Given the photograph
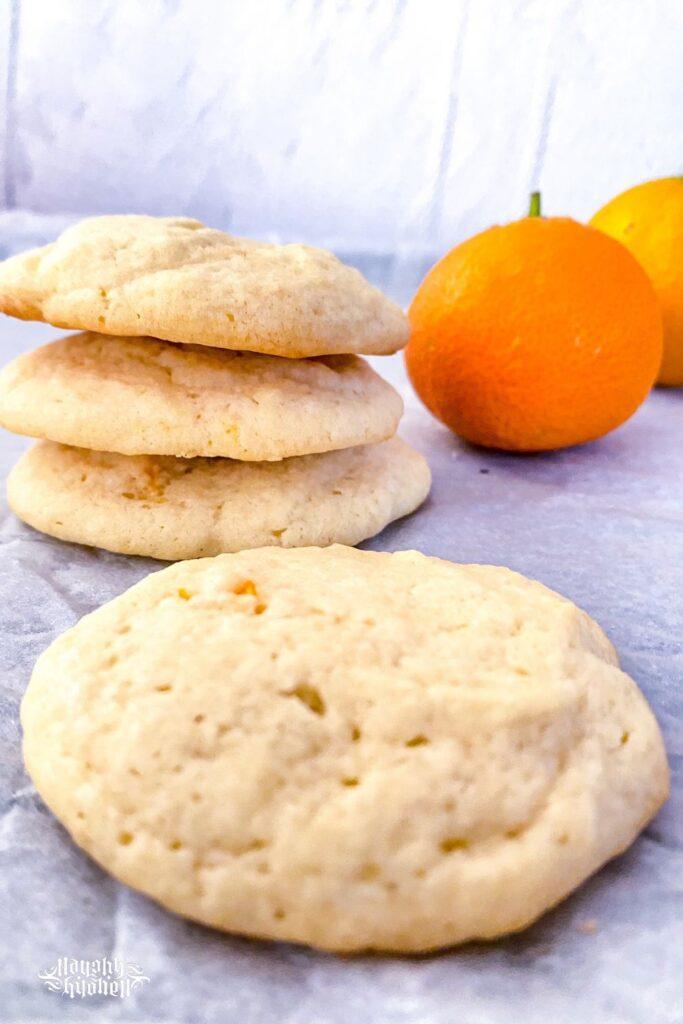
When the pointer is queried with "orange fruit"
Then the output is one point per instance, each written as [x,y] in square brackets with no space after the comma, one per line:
[648,219]
[540,334]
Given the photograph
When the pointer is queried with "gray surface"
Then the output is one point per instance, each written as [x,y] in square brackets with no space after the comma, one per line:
[602,524]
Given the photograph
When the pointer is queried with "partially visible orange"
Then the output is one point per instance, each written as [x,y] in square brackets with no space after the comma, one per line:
[540,334]
[648,219]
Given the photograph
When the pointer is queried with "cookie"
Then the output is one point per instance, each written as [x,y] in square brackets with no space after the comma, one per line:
[143,396]
[350,749]
[174,278]
[162,507]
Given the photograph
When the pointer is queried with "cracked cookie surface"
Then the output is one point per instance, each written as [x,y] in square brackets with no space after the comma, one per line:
[174,278]
[354,750]
[140,396]
[162,507]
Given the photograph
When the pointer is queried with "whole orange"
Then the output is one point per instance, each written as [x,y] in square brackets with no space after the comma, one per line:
[536,335]
[648,219]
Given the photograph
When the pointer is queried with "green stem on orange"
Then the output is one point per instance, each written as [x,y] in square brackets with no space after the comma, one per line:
[535,204]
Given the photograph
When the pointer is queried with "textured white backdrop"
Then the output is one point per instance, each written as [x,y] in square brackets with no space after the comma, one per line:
[367,124]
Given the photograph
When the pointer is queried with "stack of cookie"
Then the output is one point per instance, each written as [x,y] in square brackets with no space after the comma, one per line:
[217,400]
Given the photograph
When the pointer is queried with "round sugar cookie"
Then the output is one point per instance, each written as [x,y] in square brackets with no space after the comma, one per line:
[162,507]
[350,749]
[141,396]
[174,278]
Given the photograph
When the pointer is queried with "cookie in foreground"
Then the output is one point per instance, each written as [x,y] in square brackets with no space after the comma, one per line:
[352,750]
[162,507]
[175,278]
[142,396]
